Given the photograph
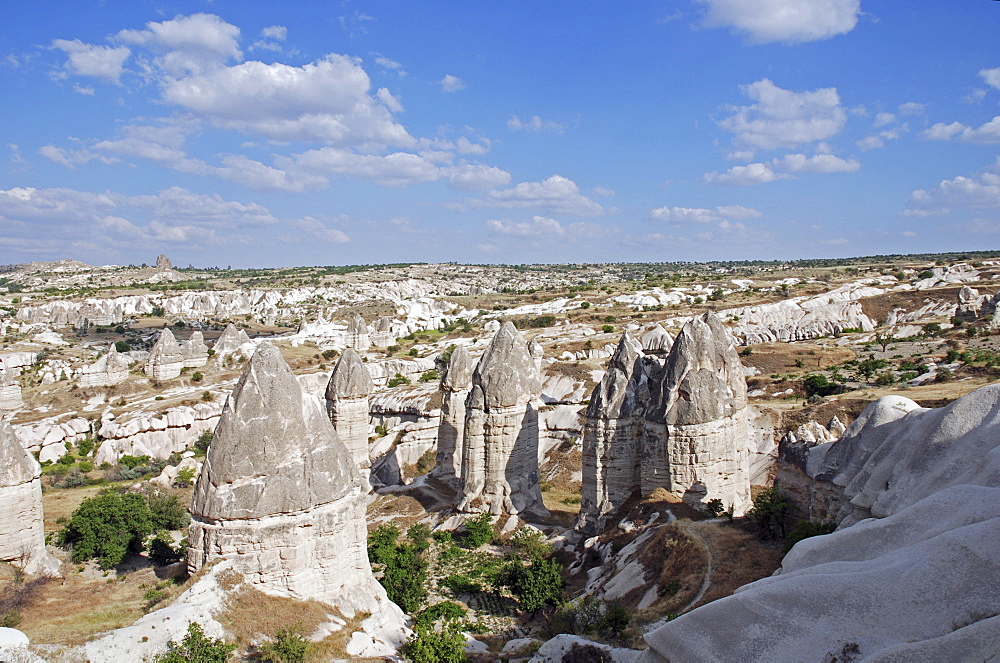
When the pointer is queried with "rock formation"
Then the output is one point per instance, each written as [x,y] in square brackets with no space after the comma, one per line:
[165,360]
[279,495]
[22,533]
[10,392]
[684,427]
[109,370]
[357,334]
[912,572]
[697,430]
[383,336]
[195,351]
[233,341]
[163,262]
[537,353]
[657,341]
[155,434]
[500,454]
[456,384]
[613,437]
[347,405]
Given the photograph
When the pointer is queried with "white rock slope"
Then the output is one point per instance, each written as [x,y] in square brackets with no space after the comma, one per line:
[22,534]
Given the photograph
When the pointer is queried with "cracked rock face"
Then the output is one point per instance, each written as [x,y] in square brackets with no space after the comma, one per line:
[22,532]
[195,351]
[109,370]
[347,405]
[500,458]
[357,334]
[280,495]
[612,437]
[697,438]
[232,340]
[456,384]
[165,360]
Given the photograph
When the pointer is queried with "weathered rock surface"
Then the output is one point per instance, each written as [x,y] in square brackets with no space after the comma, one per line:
[697,430]
[280,496]
[22,532]
[10,392]
[156,434]
[384,335]
[165,360]
[347,405]
[455,386]
[195,352]
[410,415]
[110,369]
[657,341]
[500,457]
[233,341]
[163,262]
[357,334]
[913,571]
[613,436]
[48,438]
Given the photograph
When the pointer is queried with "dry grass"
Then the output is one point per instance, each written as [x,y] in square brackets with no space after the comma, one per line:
[771,358]
[250,616]
[676,565]
[880,306]
[738,557]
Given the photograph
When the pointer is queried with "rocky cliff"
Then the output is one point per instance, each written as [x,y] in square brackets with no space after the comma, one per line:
[22,533]
[165,360]
[347,405]
[500,455]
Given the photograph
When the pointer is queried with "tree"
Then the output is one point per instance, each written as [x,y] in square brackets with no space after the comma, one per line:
[538,584]
[108,526]
[427,645]
[478,530]
[884,339]
[196,647]
[768,513]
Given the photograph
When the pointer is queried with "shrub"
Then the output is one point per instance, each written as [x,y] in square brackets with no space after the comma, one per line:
[615,620]
[944,375]
[585,305]
[816,384]
[768,513]
[288,646]
[607,329]
[206,396]
[85,446]
[163,552]
[201,444]
[537,584]
[122,346]
[197,376]
[429,646]
[885,379]
[196,647]
[107,527]
[805,529]
[166,511]
[185,477]
[430,375]
[478,531]
[397,380]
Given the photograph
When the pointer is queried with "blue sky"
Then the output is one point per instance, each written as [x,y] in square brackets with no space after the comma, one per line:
[302,133]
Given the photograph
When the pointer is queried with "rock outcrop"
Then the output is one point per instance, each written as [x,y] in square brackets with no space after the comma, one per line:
[912,572]
[22,532]
[455,385]
[163,262]
[613,437]
[165,360]
[684,426]
[657,341]
[110,369]
[357,334]
[155,434]
[347,405]
[233,341]
[195,352]
[383,336]
[10,392]
[500,455]
[279,495]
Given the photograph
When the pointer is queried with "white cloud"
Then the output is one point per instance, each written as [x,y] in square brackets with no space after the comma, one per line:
[326,100]
[821,163]
[991,76]
[73,158]
[313,228]
[794,21]
[188,44]
[725,214]
[912,108]
[390,102]
[534,124]
[882,119]
[539,225]
[870,143]
[839,241]
[782,118]
[556,195]
[976,96]
[180,204]
[451,83]
[104,62]
[753,173]
[981,192]
[276,32]
[466,146]
[601,191]
[908,233]
[386,63]
[476,177]
[987,134]
[85,90]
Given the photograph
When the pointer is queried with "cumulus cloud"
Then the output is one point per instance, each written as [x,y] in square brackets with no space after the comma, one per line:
[981,192]
[534,124]
[476,177]
[783,118]
[987,134]
[188,45]
[276,32]
[912,108]
[313,228]
[451,83]
[326,101]
[821,163]
[73,158]
[882,119]
[104,62]
[991,76]
[793,21]
[555,195]
[753,173]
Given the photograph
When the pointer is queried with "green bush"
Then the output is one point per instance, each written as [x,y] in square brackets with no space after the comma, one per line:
[107,527]
[185,477]
[288,646]
[405,570]
[196,647]
[163,552]
[816,384]
[429,376]
[805,529]
[398,379]
[122,346]
[769,510]
[429,646]
[478,531]
[167,512]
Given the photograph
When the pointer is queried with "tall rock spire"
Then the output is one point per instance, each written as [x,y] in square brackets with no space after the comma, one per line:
[455,385]
[347,405]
